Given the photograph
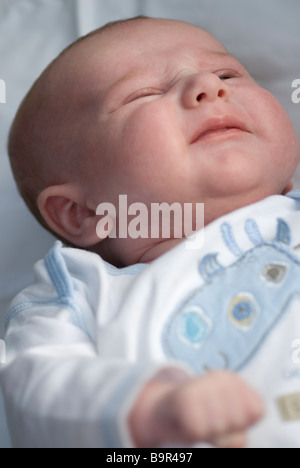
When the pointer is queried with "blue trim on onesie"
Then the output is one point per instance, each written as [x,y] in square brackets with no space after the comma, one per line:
[19,308]
[58,272]
[62,282]
[129,270]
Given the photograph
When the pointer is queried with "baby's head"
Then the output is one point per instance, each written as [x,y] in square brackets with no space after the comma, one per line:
[157,110]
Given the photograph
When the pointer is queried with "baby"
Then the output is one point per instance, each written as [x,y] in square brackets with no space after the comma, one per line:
[113,349]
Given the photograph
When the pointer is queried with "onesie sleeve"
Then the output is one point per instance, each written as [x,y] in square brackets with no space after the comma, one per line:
[58,390]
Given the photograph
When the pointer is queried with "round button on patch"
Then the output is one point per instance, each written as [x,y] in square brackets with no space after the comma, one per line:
[243,310]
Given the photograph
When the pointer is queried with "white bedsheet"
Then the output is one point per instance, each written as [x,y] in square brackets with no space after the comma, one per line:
[263,34]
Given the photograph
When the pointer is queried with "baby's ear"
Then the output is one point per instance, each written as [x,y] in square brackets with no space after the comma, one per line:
[66,212]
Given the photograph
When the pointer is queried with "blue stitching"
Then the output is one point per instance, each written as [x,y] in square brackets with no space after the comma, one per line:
[62,282]
[130,270]
[283,234]
[60,277]
[209,266]
[76,316]
[58,272]
[19,308]
[228,238]
[253,232]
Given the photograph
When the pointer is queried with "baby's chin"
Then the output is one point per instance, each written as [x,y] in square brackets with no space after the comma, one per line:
[245,179]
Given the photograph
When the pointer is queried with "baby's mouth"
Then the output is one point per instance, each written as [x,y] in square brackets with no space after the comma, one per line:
[220,128]
[218,132]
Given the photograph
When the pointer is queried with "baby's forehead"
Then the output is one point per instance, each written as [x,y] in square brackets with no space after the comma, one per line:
[154,35]
[106,56]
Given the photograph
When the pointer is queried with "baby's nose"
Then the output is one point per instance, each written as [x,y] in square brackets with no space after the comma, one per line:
[202,87]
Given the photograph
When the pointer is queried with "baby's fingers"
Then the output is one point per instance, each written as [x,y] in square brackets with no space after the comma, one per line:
[245,407]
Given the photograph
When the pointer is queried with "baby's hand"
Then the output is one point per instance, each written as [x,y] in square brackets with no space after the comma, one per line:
[217,408]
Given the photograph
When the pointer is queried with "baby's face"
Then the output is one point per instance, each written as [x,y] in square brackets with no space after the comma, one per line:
[175,118]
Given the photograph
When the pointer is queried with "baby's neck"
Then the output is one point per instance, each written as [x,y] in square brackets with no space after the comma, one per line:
[159,249]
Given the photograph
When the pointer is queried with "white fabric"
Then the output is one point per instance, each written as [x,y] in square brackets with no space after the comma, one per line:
[86,336]
[88,387]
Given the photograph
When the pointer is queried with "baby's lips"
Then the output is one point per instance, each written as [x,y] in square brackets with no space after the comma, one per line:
[217,124]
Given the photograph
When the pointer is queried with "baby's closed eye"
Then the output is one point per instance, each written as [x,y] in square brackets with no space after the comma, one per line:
[142,93]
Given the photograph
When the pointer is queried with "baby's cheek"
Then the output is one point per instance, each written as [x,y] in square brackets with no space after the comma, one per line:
[151,136]
[278,127]
[273,114]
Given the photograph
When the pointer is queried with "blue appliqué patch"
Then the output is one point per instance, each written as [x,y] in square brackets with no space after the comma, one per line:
[225,320]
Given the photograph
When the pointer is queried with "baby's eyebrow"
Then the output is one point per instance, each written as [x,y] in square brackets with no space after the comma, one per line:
[225,54]
[219,53]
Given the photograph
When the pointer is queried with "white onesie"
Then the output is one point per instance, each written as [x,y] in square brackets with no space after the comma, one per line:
[84,339]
